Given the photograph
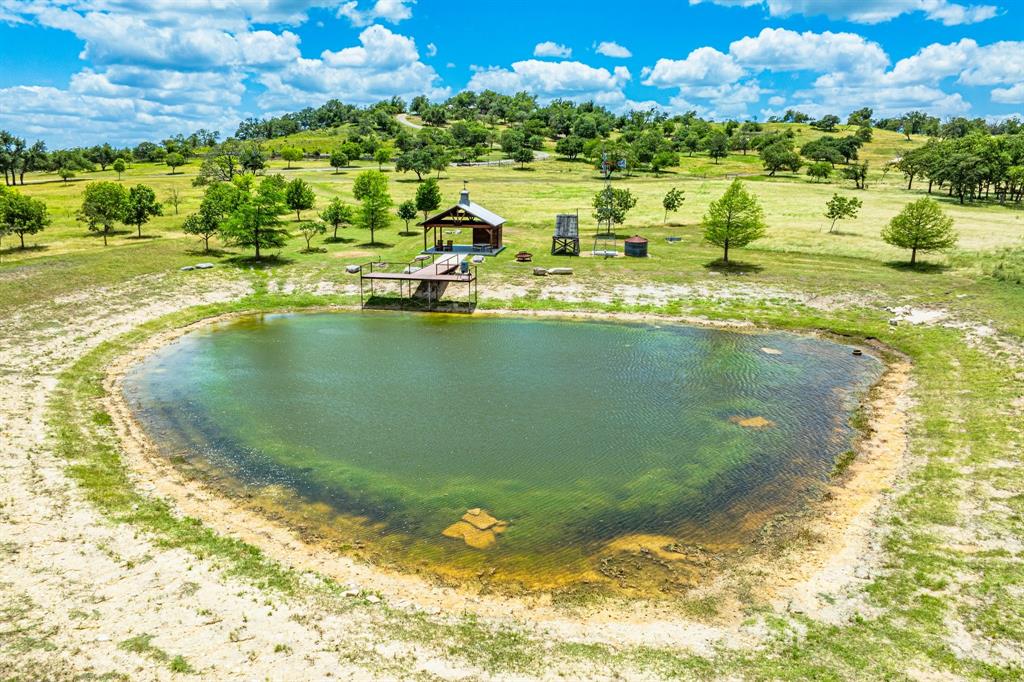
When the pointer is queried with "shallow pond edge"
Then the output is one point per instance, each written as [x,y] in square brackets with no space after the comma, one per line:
[867,479]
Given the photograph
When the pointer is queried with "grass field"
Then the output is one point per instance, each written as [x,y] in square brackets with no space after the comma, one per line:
[794,204]
[946,597]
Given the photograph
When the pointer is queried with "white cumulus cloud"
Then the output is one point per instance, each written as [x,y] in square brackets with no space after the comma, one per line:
[1011,95]
[610,48]
[550,48]
[550,80]
[384,64]
[160,67]
[705,65]
[392,11]
[780,49]
[869,11]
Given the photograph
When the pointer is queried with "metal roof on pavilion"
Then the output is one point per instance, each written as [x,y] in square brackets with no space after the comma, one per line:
[466,207]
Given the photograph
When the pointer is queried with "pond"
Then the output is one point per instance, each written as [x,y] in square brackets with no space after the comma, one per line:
[526,449]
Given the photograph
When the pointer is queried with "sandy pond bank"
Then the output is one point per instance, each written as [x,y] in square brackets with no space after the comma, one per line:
[815,570]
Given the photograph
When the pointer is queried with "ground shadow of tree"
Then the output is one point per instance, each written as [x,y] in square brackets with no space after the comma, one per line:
[265,262]
[34,248]
[70,181]
[112,233]
[920,267]
[733,267]
[408,233]
[339,240]
[376,245]
[212,253]
[144,237]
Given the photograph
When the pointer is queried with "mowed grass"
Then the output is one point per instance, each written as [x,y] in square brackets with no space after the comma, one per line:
[529,199]
[798,252]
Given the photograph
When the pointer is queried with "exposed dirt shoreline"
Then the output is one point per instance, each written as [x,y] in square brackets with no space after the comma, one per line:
[838,545]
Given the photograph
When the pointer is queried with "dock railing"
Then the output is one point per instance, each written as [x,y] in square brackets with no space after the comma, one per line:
[447,266]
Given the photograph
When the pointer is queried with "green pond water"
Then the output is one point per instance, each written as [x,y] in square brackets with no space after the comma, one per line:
[392,425]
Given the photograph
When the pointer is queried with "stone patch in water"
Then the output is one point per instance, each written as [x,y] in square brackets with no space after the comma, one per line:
[758,422]
[476,528]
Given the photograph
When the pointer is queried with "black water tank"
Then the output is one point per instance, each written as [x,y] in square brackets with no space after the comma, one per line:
[636,246]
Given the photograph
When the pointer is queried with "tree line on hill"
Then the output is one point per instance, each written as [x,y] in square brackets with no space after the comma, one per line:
[974,167]
[969,159]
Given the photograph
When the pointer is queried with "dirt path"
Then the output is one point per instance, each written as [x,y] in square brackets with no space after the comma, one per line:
[404,120]
[537,156]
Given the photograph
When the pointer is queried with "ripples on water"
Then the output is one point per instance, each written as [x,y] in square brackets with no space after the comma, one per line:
[577,433]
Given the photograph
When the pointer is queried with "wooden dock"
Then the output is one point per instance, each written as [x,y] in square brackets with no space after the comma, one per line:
[444,268]
[424,279]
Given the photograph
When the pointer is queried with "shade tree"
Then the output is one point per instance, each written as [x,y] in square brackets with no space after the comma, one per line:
[256,220]
[103,205]
[310,229]
[611,205]
[174,160]
[569,147]
[420,161]
[860,117]
[141,206]
[820,170]
[339,160]
[252,158]
[299,196]
[716,145]
[666,158]
[371,190]
[221,164]
[407,212]
[672,201]
[734,220]
[337,214]
[428,197]
[840,208]
[780,155]
[921,226]
[219,201]
[522,156]
[291,154]
[22,215]
[826,123]
[858,173]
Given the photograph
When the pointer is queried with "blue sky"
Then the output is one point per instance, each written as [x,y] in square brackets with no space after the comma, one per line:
[82,71]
